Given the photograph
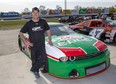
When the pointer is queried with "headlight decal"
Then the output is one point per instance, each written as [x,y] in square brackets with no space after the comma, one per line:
[73,51]
[53,52]
[72,58]
[100,45]
[63,59]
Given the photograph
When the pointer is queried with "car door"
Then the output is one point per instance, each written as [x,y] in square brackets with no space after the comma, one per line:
[97,29]
[111,31]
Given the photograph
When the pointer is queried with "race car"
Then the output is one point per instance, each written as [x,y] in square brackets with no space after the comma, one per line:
[73,55]
[103,30]
[66,19]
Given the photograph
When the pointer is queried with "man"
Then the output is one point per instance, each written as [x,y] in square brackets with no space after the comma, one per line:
[36,28]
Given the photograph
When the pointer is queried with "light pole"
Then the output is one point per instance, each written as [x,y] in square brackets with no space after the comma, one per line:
[65,6]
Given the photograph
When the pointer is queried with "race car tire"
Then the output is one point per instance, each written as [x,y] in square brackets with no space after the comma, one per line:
[19,43]
[102,37]
[114,40]
[77,30]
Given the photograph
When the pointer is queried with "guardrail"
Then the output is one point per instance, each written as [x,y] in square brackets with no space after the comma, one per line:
[10,18]
[50,16]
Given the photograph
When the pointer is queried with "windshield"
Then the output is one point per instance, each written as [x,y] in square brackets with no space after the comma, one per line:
[60,30]
[111,23]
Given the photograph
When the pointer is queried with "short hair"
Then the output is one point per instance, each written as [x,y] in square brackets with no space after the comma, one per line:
[35,8]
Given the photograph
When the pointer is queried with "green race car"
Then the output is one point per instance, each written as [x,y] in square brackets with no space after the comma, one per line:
[73,55]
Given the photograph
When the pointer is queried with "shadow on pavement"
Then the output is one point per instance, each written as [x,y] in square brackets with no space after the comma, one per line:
[40,81]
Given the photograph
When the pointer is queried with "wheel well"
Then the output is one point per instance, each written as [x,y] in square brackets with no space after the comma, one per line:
[114,39]
[102,36]
[75,29]
[19,43]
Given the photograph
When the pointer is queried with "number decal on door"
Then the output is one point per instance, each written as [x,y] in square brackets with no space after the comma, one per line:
[96,33]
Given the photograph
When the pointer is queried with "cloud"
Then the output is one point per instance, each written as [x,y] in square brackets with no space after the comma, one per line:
[19,5]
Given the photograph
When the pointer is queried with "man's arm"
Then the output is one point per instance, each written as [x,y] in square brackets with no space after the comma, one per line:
[49,37]
[22,37]
[28,44]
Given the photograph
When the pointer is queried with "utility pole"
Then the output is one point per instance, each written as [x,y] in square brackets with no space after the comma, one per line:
[65,7]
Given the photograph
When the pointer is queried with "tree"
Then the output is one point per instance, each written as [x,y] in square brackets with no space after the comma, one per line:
[77,7]
[42,7]
[115,6]
[26,10]
[58,7]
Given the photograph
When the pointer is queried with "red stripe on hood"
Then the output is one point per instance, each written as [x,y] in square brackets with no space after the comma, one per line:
[73,51]
[100,45]
[52,57]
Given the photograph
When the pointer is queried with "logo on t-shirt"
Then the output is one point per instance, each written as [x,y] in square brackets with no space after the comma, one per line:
[37,29]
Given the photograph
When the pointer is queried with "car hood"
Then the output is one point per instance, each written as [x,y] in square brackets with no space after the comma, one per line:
[78,44]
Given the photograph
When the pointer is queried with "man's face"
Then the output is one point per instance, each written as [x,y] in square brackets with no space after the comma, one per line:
[35,14]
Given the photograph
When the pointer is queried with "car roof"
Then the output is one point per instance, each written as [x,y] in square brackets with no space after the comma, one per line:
[55,23]
[95,20]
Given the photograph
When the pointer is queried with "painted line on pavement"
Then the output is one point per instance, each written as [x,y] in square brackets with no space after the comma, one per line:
[48,81]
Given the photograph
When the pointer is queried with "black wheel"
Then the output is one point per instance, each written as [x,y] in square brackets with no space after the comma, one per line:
[77,30]
[114,40]
[19,43]
[102,37]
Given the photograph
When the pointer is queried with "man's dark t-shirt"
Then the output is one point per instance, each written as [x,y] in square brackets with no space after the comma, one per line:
[36,31]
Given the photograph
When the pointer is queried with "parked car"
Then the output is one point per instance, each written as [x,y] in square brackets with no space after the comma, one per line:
[66,19]
[73,55]
[103,30]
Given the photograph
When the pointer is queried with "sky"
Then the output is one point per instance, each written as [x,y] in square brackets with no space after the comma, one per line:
[20,5]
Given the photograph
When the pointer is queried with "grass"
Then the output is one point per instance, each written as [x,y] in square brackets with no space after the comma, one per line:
[52,20]
[7,25]
[4,25]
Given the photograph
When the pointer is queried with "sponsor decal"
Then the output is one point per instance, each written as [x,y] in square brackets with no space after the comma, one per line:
[71,39]
[82,11]
[105,10]
[43,12]
[90,11]
[75,12]
[55,12]
[36,29]
[9,14]
[97,10]
[112,10]
[67,12]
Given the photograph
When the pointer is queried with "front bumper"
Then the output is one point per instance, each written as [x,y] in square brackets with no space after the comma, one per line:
[79,68]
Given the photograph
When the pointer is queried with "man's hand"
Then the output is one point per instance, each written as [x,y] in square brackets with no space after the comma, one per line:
[28,44]
[50,43]
[49,37]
